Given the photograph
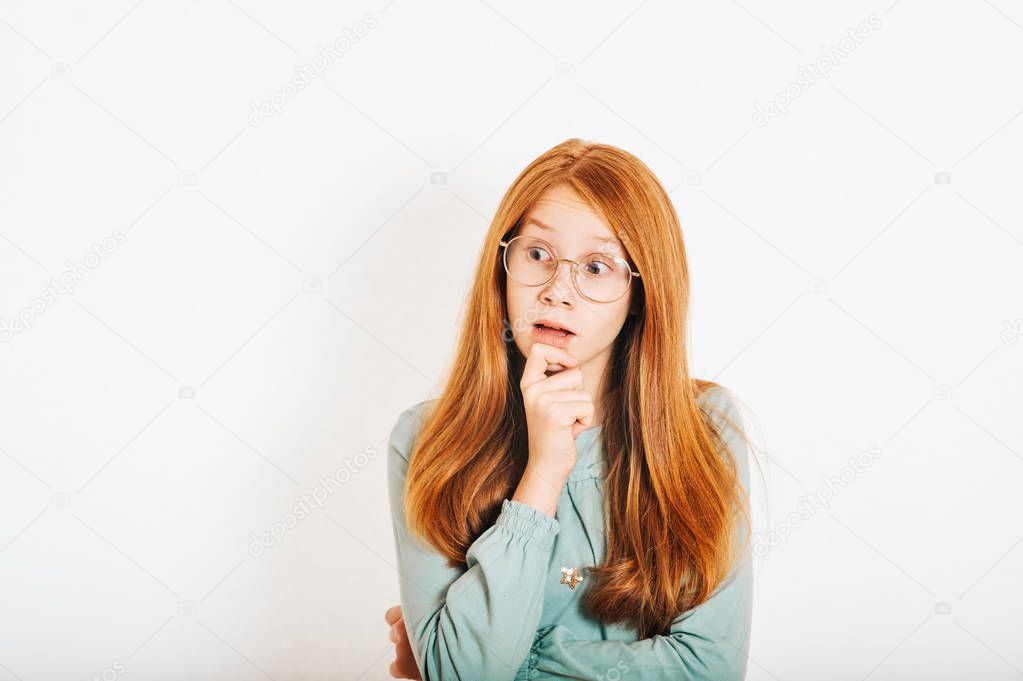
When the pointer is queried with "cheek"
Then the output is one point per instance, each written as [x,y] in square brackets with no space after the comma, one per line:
[513,301]
[519,313]
[521,300]
[608,325]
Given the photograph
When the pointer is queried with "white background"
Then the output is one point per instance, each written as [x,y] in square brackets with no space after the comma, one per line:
[305,277]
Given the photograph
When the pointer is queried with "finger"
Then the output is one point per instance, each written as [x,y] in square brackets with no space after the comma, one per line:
[405,659]
[569,413]
[398,634]
[393,614]
[559,397]
[540,356]
[569,379]
[404,664]
[544,359]
[403,669]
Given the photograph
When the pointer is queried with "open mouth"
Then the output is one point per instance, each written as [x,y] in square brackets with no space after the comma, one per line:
[552,335]
[554,330]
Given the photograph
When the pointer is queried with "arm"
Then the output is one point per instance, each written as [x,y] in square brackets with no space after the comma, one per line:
[709,642]
[477,622]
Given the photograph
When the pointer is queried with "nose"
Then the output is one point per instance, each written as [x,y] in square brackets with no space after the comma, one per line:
[559,289]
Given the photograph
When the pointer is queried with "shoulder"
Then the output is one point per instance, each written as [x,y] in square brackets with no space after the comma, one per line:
[716,398]
[721,405]
[406,427]
[723,408]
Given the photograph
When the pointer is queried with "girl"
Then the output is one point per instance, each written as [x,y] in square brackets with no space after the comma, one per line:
[573,505]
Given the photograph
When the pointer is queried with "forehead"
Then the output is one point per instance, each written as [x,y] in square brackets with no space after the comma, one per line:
[561,213]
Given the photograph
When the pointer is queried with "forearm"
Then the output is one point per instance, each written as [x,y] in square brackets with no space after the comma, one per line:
[676,657]
[707,643]
[540,489]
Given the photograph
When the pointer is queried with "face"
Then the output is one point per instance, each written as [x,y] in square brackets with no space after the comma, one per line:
[563,219]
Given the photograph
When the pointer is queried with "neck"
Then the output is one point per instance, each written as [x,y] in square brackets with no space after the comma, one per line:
[594,373]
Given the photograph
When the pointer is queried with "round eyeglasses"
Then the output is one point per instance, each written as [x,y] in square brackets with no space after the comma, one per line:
[600,277]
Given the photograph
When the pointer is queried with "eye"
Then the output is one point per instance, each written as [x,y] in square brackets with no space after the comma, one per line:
[537,254]
[598,266]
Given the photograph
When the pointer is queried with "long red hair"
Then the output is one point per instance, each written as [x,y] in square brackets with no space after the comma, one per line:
[672,490]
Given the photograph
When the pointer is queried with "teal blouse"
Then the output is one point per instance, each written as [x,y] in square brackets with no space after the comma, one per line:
[508,616]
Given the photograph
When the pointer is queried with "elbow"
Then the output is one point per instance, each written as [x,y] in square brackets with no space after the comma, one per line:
[721,661]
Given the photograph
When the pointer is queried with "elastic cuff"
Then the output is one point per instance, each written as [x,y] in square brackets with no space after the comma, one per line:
[525,520]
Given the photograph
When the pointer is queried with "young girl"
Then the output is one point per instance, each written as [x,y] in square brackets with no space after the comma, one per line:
[574,505]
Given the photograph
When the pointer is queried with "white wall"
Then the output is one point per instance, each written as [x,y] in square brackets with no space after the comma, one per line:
[279,267]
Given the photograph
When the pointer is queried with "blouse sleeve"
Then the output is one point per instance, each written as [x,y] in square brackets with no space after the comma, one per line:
[708,642]
[476,622]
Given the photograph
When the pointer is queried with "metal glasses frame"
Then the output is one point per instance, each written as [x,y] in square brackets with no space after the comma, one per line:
[558,261]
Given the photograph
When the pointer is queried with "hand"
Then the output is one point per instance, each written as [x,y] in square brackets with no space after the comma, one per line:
[557,409]
[404,665]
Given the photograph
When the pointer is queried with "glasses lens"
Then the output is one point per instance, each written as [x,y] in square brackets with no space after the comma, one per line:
[603,277]
[529,261]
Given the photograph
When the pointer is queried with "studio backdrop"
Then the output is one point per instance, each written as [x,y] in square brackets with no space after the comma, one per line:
[236,240]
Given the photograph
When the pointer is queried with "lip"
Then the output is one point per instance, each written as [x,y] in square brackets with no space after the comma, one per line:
[553,325]
[549,337]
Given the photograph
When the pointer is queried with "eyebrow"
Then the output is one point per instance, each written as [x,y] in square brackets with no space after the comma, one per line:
[541,225]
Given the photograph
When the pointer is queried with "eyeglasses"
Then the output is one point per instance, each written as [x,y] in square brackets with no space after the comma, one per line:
[600,277]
